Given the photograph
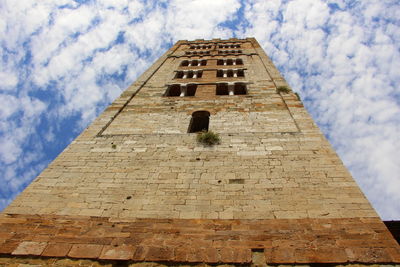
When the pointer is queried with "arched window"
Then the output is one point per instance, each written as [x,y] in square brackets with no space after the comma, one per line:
[199,121]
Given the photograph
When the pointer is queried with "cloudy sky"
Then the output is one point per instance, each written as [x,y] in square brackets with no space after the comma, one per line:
[64,61]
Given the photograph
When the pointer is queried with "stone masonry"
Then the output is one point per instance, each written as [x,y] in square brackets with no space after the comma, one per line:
[135,181]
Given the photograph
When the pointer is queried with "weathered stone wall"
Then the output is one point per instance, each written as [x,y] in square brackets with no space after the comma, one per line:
[285,166]
[137,160]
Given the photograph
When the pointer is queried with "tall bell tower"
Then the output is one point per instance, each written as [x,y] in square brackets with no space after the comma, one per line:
[137,185]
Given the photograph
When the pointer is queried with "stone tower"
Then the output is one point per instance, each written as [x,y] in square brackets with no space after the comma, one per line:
[137,186]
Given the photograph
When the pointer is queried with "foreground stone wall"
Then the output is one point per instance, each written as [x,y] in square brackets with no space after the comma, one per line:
[136,183]
[273,162]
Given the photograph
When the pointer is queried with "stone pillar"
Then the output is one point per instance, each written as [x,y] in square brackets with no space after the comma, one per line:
[225,73]
[183,90]
[231,88]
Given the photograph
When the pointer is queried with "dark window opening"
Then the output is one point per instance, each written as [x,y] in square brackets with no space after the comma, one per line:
[191,89]
[199,74]
[204,62]
[229,73]
[222,89]
[195,62]
[179,75]
[240,89]
[220,73]
[239,61]
[199,122]
[220,62]
[190,75]
[240,73]
[229,62]
[185,63]
[173,90]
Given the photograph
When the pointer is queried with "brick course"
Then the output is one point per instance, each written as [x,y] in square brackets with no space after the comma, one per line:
[362,240]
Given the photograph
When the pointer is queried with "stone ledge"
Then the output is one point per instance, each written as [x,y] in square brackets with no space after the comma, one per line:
[282,241]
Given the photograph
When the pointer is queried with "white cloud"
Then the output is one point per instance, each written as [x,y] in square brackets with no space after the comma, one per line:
[58,62]
[351,80]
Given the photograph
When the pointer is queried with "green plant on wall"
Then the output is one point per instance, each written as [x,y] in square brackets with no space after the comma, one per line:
[208,138]
[298,96]
[283,89]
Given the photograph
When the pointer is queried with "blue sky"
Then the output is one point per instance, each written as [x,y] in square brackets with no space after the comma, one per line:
[63,62]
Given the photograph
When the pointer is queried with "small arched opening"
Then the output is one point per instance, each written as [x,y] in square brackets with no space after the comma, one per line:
[199,121]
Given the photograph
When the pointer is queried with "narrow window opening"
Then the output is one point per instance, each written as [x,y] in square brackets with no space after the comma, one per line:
[222,89]
[199,74]
[191,89]
[239,61]
[190,75]
[229,62]
[185,63]
[204,62]
[240,73]
[220,62]
[230,73]
[195,62]
[220,73]
[199,121]
[179,75]
[240,89]
[173,90]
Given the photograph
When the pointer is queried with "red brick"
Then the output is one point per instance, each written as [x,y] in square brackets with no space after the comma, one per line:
[140,253]
[394,254]
[231,255]
[9,246]
[56,250]
[159,254]
[371,255]
[30,248]
[86,251]
[124,252]
[283,255]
